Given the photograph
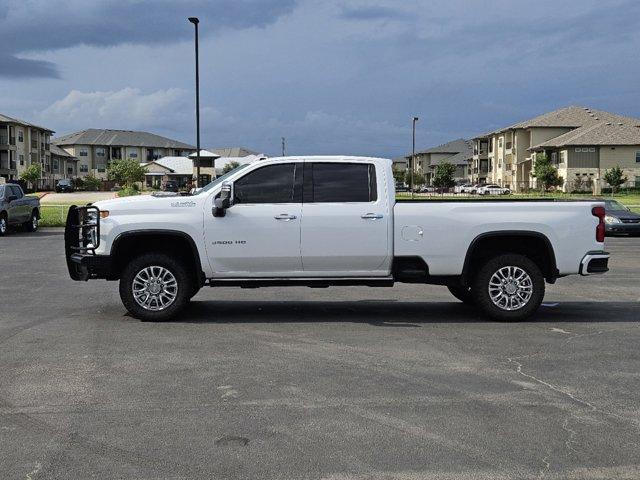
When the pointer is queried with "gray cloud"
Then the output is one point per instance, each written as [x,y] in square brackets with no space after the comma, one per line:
[14,67]
[372,12]
[39,26]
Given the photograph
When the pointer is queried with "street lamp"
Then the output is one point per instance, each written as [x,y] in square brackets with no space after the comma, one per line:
[413,155]
[195,22]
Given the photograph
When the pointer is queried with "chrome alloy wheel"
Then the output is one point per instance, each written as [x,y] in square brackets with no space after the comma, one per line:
[510,288]
[34,222]
[3,225]
[155,288]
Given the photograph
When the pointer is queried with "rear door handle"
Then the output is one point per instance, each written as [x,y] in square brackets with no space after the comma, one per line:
[372,216]
[285,216]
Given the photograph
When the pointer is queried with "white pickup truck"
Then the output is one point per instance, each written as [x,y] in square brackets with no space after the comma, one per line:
[329,221]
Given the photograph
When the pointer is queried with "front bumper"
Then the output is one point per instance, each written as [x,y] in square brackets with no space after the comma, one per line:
[612,229]
[83,267]
[594,262]
[81,238]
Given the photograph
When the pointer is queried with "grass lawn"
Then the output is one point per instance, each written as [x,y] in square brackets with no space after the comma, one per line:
[53,215]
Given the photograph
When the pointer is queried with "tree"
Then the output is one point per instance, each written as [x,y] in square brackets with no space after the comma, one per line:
[398,175]
[92,183]
[126,172]
[443,177]
[546,173]
[32,174]
[230,166]
[615,177]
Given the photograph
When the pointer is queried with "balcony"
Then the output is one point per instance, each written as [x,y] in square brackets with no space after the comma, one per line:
[34,144]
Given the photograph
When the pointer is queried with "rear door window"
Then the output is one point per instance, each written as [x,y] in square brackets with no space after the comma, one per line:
[341,182]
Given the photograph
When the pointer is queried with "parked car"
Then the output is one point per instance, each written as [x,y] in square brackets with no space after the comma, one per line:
[322,221]
[65,185]
[620,220]
[426,189]
[170,186]
[18,209]
[466,188]
[401,187]
[493,189]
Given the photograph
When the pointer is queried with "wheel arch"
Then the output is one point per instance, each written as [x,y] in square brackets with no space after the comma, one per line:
[174,242]
[534,245]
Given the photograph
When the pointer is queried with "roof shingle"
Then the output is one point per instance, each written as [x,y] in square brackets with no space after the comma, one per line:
[120,138]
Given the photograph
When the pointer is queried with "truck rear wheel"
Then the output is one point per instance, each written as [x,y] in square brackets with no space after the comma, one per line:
[3,224]
[155,287]
[32,224]
[463,294]
[509,287]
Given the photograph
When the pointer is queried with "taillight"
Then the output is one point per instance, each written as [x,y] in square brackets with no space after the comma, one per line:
[599,212]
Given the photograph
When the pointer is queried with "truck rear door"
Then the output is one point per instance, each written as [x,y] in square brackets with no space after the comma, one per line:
[345,219]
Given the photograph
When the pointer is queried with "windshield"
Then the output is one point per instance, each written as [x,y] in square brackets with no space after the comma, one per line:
[613,205]
[221,179]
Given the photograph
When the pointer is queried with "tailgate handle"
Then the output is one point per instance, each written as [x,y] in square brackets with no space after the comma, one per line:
[372,216]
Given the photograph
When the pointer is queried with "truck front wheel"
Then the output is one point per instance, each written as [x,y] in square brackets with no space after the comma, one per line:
[509,287]
[155,287]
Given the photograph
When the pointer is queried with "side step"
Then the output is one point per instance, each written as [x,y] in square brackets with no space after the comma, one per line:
[318,282]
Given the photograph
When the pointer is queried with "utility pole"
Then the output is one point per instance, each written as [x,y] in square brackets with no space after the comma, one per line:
[284,149]
[413,154]
[195,22]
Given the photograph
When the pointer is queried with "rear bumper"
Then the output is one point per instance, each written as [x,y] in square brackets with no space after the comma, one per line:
[594,263]
[622,229]
[83,267]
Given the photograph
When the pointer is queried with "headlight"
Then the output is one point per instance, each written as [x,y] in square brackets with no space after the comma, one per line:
[610,219]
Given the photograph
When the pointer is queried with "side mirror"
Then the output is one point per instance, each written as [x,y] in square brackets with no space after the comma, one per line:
[223,201]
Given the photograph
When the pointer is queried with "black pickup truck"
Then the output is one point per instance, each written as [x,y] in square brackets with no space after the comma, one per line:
[17,209]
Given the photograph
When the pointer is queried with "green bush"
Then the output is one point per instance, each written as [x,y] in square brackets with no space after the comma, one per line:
[128,192]
[92,183]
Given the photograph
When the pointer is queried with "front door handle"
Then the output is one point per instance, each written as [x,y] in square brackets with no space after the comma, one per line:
[285,216]
[372,216]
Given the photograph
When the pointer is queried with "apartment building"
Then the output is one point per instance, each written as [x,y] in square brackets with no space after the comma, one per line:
[63,164]
[96,148]
[457,152]
[511,151]
[22,144]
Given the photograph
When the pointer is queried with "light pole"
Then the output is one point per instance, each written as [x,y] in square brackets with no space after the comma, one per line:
[284,143]
[413,155]
[195,22]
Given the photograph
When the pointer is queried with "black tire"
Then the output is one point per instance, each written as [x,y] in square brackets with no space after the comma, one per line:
[172,265]
[481,284]
[32,224]
[463,294]
[194,291]
[4,224]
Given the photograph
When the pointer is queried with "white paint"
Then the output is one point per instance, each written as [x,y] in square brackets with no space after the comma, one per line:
[560,330]
[36,469]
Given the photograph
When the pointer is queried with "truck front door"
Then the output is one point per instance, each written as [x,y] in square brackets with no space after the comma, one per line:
[346,220]
[259,236]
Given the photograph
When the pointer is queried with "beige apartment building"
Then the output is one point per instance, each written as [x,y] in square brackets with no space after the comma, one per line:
[582,142]
[22,144]
[457,152]
[96,148]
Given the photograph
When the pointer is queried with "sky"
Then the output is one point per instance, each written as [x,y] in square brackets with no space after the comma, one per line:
[333,77]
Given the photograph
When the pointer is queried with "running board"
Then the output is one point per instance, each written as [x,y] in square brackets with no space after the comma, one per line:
[316,282]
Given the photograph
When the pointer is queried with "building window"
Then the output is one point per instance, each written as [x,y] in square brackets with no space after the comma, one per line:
[638,157]
[21,158]
[133,155]
[20,136]
[500,142]
[70,170]
[101,169]
[84,152]
[56,165]
[84,168]
[100,152]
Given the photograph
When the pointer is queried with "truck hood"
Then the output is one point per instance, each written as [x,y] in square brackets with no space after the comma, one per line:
[145,202]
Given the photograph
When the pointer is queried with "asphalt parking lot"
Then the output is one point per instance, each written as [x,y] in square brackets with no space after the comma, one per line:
[341,383]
